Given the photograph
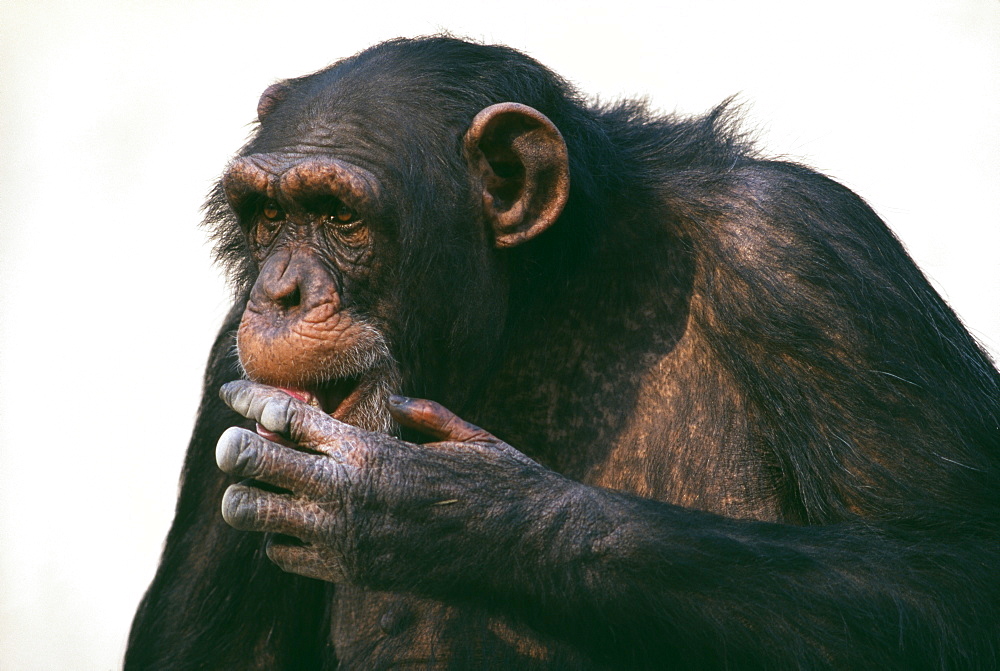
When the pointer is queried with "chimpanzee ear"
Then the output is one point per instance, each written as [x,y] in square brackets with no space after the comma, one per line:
[520,161]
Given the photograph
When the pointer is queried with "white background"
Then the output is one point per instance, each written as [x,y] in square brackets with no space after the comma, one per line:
[115,117]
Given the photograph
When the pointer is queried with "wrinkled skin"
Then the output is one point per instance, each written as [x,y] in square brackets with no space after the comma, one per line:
[362,503]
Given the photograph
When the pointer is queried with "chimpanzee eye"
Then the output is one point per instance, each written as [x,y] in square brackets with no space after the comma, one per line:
[342,214]
[345,225]
[272,211]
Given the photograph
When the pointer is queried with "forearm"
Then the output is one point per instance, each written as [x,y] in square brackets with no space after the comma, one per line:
[651,583]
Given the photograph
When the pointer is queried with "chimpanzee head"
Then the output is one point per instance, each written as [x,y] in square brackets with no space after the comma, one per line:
[368,220]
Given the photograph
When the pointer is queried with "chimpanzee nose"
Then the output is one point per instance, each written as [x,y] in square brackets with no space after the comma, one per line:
[285,292]
[290,281]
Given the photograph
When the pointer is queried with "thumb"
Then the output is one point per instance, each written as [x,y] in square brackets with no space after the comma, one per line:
[436,421]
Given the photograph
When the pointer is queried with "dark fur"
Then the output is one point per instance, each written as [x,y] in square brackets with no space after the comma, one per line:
[834,450]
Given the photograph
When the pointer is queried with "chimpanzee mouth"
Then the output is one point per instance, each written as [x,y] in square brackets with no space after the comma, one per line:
[334,397]
[356,388]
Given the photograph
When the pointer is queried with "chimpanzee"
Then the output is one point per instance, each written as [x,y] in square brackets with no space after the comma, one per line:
[727,422]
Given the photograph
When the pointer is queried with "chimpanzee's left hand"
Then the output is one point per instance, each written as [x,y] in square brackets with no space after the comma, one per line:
[369,508]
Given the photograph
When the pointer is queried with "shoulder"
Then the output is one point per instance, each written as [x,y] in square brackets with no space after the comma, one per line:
[777,212]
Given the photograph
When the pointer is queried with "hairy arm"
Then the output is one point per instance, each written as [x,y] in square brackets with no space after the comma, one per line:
[649,582]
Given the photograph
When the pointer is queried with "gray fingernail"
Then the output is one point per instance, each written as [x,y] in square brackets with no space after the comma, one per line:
[228,448]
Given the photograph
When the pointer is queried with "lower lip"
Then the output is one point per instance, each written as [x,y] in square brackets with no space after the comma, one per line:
[272,436]
[348,402]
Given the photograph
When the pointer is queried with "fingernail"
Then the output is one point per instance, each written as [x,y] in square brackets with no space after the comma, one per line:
[229,387]
[396,399]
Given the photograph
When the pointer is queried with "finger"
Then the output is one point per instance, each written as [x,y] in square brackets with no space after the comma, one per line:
[285,415]
[245,454]
[435,420]
[305,560]
[251,509]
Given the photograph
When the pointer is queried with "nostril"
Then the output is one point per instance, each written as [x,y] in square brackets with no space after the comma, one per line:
[288,299]
[283,294]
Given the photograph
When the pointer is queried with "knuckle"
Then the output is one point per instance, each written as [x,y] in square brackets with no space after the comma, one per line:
[247,462]
[324,433]
[308,423]
[423,407]
[277,413]
[363,457]
[453,425]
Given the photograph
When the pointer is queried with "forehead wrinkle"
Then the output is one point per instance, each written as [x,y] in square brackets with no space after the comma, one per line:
[359,142]
[349,113]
